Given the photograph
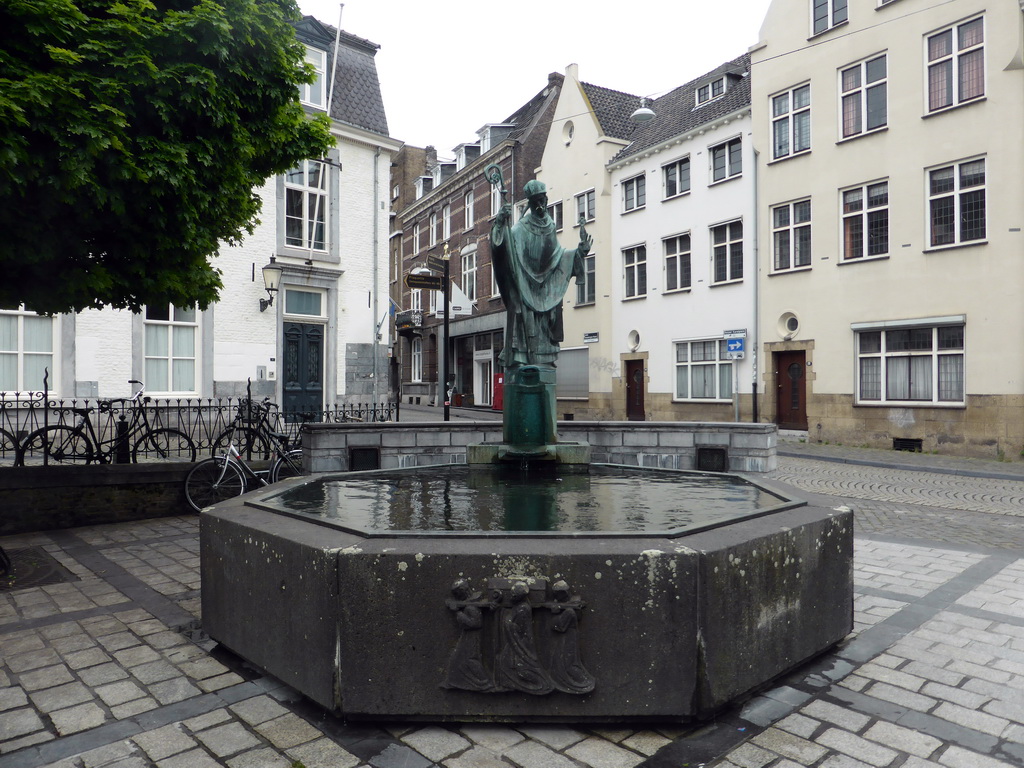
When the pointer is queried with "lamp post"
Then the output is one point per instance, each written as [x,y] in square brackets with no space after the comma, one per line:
[271,281]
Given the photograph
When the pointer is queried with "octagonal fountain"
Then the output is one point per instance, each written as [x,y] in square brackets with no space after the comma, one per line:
[595,593]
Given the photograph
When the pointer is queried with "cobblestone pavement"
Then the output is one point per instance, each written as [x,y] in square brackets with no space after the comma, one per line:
[110,667]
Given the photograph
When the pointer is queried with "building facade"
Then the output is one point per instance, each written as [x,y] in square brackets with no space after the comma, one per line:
[325,225]
[450,218]
[890,206]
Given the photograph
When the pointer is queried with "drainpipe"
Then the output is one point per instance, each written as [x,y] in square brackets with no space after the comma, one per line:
[375,346]
[757,282]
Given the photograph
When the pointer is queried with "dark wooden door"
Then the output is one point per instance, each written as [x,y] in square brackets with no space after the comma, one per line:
[635,390]
[303,371]
[791,390]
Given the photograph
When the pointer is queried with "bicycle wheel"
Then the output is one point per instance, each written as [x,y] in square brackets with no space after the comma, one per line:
[250,443]
[288,465]
[169,445]
[59,444]
[213,480]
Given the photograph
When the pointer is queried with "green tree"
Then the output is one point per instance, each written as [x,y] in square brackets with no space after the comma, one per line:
[133,135]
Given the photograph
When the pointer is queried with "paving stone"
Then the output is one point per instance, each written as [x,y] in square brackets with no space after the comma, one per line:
[64,629]
[612,734]
[47,677]
[855,746]
[749,755]
[170,691]
[18,643]
[119,692]
[66,645]
[530,754]
[788,745]
[477,757]
[259,758]
[132,657]
[103,674]
[219,682]
[19,722]
[917,762]
[258,709]
[208,720]
[600,753]
[554,736]
[957,757]
[325,753]
[115,754]
[23,662]
[154,672]
[164,742]
[492,737]
[133,708]
[841,716]
[435,743]
[903,739]
[80,718]
[12,698]
[977,721]
[646,742]
[202,668]
[60,696]
[196,758]
[287,731]
[87,658]
[799,724]
[39,737]
[900,696]
[228,739]
[119,641]
[842,761]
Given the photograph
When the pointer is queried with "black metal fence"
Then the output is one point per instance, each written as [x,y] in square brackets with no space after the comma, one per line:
[204,420]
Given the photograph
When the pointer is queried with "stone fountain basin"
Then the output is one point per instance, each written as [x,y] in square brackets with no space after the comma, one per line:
[674,628]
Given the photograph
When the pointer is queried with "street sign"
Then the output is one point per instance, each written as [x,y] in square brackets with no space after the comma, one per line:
[436,263]
[736,333]
[430,282]
[734,348]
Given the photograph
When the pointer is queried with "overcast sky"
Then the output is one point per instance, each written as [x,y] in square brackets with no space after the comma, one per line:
[448,67]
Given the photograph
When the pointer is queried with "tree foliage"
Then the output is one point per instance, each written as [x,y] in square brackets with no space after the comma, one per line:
[133,135]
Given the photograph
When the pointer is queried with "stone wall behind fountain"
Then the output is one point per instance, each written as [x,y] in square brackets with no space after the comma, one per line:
[665,445]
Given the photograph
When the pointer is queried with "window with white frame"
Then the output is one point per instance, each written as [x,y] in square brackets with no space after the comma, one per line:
[826,14]
[27,346]
[956,203]
[415,299]
[304,303]
[170,348]
[446,222]
[956,64]
[791,235]
[434,300]
[634,263]
[864,97]
[709,91]
[432,228]
[416,359]
[702,370]
[555,212]
[470,217]
[416,243]
[585,290]
[313,93]
[305,202]
[911,366]
[791,122]
[469,274]
[726,160]
[676,177]
[586,205]
[727,251]
[866,220]
[634,193]
[677,262]
[495,200]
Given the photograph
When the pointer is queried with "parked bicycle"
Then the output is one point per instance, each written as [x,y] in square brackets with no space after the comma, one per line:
[228,475]
[133,437]
[250,430]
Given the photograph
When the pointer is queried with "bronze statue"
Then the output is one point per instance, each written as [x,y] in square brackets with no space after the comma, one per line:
[532,272]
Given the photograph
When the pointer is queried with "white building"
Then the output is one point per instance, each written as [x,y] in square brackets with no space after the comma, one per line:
[891,204]
[317,344]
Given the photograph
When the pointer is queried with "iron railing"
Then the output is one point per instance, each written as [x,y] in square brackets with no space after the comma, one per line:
[202,419]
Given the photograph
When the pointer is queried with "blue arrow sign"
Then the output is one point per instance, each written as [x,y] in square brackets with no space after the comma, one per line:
[735,345]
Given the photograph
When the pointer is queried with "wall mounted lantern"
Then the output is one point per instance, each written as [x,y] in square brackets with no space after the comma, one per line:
[272,280]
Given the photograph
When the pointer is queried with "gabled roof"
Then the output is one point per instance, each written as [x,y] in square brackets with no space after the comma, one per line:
[613,109]
[677,111]
[357,99]
[525,117]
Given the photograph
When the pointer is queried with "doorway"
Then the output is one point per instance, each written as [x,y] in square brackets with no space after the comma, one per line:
[791,390]
[635,390]
[303,370]
[483,378]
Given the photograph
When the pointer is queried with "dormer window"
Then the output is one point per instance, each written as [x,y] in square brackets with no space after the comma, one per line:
[709,91]
[466,154]
[424,184]
[492,135]
[313,93]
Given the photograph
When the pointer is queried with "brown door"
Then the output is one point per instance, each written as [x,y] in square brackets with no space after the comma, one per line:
[635,390]
[791,390]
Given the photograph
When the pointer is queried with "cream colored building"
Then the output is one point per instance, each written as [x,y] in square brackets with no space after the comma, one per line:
[891,207]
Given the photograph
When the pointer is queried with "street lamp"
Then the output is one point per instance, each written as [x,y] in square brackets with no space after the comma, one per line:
[271,280]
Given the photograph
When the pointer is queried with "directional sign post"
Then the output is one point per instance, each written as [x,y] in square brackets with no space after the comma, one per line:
[734,349]
[436,263]
[429,282]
